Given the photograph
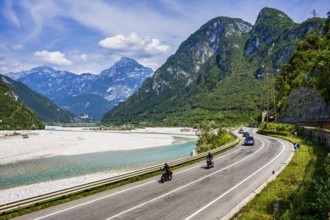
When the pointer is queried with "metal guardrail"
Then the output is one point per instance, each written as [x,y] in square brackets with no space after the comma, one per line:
[88,186]
[323,124]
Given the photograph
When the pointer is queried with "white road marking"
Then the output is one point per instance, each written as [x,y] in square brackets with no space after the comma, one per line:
[184,186]
[107,196]
[238,184]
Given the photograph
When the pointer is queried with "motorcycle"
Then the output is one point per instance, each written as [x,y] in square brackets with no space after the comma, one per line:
[209,163]
[165,176]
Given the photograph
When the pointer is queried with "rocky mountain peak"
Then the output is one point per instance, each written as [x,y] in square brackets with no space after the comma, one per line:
[227,26]
[182,68]
[272,16]
[126,61]
[126,67]
[43,69]
[271,24]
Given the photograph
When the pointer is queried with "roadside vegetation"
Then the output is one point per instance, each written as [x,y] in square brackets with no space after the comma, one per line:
[211,136]
[301,190]
[278,129]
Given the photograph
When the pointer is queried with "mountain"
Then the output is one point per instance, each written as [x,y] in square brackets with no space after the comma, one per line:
[86,93]
[275,36]
[13,114]
[217,73]
[45,110]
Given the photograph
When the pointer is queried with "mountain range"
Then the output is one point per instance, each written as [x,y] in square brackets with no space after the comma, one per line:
[217,73]
[86,94]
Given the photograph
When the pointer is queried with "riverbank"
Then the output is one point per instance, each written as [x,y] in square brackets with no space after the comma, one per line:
[27,191]
[54,141]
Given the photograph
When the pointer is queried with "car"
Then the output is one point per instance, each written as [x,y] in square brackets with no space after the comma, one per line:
[246,134]
[249,141]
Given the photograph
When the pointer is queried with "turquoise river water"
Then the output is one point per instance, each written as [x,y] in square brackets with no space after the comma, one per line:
[59,167]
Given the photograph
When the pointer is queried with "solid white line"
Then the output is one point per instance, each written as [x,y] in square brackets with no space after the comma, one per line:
[184,186]
[95,200]
[200,210]
[134,187]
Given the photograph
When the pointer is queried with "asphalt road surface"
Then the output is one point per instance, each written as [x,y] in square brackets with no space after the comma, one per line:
[194,193]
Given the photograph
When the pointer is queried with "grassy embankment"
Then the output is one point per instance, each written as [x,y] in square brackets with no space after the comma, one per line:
[301,191]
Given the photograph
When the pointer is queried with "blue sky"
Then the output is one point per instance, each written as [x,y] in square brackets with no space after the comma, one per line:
[91,35]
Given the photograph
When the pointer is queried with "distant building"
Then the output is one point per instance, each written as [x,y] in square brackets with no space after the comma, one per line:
[84,116]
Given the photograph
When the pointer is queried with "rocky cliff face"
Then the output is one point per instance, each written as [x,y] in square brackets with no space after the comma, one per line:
[304,104]
[270,25]
[182,68]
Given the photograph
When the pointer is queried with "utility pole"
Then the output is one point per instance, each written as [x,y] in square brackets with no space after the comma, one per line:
[314,14]
[270,89]
[314,23]
[224,49]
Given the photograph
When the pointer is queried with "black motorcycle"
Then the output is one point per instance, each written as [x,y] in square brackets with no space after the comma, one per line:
[165,176]
[209,163]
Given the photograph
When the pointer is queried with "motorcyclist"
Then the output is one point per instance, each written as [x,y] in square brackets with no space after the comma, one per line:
[167,169]
[209,157]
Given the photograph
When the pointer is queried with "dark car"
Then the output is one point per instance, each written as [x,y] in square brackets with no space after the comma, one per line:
[249,140]
[246,134]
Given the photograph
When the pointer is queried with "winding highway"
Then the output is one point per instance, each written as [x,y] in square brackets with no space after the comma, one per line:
[194,192]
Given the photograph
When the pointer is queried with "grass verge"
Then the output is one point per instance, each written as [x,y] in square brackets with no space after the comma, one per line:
[64,199]
[300,191]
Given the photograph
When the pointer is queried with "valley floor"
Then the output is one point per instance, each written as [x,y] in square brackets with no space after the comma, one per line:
[54,141]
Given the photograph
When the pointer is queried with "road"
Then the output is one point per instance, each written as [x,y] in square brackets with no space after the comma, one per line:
[194,192]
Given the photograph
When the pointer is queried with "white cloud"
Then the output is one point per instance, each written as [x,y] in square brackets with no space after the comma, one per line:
[83,57]
[79,57]
[55,58]
[10,48]
[17,46]
[134,44]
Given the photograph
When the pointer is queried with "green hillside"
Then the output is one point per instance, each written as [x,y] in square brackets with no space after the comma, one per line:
[13,114]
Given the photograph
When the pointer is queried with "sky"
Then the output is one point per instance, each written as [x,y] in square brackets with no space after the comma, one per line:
[91,35]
